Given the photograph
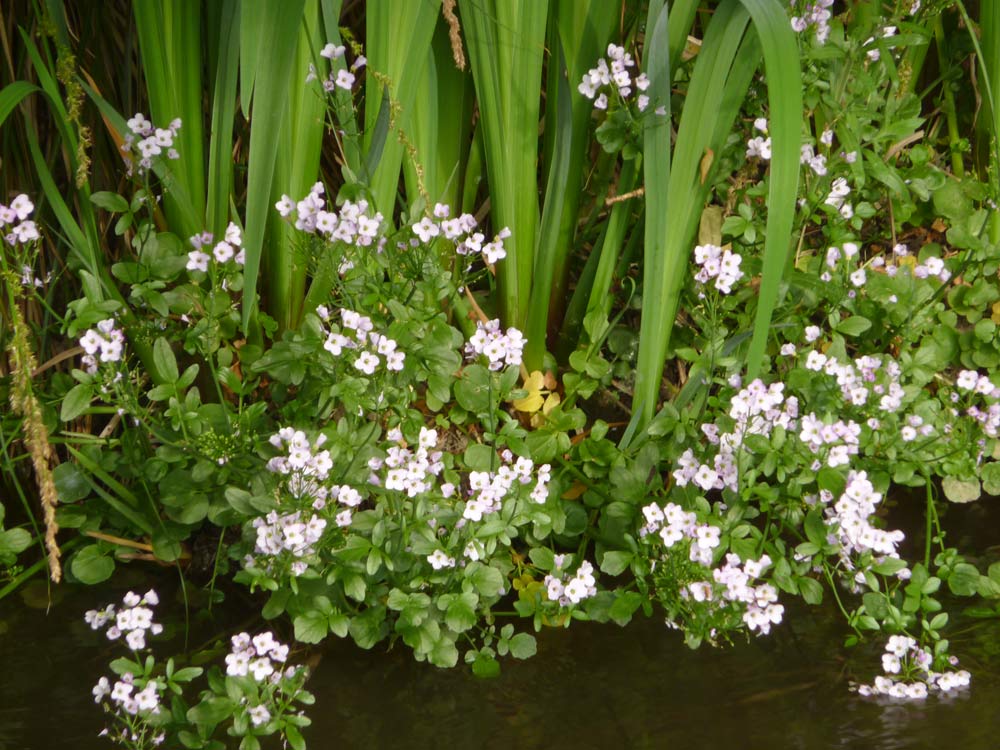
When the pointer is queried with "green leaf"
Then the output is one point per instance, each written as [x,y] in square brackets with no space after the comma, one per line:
[626,603]
[964,580]
[13,542]
[91,566]
[76,402]
[990,474]
[71,484]
[311,627]
[443,653]
[474,389]
[109,201]
[811,590]
[961,490]
[485,667]
[164,360]
[853,326]
[615,563]
[369,627]
[487,581]
[815,528]
[523,646]
[210,712]
[875,605]
[276,604]
[542,558]
[461,613]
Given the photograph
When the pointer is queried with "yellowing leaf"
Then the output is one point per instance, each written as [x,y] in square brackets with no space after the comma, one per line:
[533,384]
[530,403]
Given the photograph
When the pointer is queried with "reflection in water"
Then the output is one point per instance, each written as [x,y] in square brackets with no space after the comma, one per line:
[589,687]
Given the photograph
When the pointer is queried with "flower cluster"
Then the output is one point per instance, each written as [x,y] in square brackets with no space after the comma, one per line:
[289,533]
[809,157]
[616,78]
[307,468]
[302,461]
[909,674]
[133,619]
[720,264]
[501,349]
[151,143]
[439,560]
[759,146]
[850,519]
[868,379]
[102,344]
[343,78]
[409,471]
[462,232]
[932,266]
[837,198]
[812,13]
[124,697]
[732,587]
[261,657]
[488,489]
[755,410]
[974,383]
[353,225]
[569,590]
[370,350]
[733,582]
[838,439]
[673,524]
[14,221]
[226,250]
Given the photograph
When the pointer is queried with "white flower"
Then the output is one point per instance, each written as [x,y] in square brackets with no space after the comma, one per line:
[259,715]
[332,51]
[439,560]
[101,689]
[197,261]
[366,362]
[345,79]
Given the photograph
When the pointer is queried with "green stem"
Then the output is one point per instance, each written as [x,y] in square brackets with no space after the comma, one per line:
[948,105]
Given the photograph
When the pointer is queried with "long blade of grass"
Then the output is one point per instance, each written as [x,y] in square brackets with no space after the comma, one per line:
[656,181]
[506,41]
[611,244]
[278,24]
[583,28]
[442,124]
[347,122]
[548,235]
[399,34]
[170,45]
[220,144]
[674,204]
[784,96]
[299,148]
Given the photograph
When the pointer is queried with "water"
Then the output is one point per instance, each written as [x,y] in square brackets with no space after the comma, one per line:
[589,687]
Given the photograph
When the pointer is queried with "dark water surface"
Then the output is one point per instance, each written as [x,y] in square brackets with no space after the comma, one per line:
[591,686]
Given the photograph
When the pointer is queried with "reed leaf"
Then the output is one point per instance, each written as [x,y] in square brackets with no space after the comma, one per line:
[548,254]
[506,42]
[170,45]
[220,144]
[278,23]
[399,34]
[722,73]
[784,96]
